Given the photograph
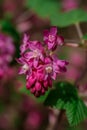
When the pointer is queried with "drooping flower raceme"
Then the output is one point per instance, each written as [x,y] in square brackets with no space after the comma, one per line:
[39,65]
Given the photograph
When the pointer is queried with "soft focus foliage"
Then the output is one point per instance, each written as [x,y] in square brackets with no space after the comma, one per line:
[66,98]
[51,9]
[61,98]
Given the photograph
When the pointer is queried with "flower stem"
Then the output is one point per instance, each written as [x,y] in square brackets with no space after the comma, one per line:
[79,31]
[80,34]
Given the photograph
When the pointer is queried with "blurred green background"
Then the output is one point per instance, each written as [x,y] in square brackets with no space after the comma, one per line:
[19,110]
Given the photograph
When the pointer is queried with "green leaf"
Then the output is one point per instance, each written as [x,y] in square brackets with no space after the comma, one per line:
[84,37]
[64,92]
[76,112]
[2,107]
[52,9]
[68,18]
[7,27]
[44,8]
[65,97]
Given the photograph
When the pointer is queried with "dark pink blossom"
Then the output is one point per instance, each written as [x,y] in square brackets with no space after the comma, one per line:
[36,53]
[52,39]
[37,83]
[25,68]
[25,44]
[39,66]
[51,68]
[32,50]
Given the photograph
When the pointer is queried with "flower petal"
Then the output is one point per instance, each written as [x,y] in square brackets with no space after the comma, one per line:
[28,55]
[53,31]
[46,34]
[21,71]
[35,63]
[60,40]
[50,45]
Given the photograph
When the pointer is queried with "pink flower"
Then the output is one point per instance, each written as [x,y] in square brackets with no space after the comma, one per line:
[38,65]
[54,67]
[42,76]
[51,38]
[36,81]
[25,68]
[36,53]
[25,44]
[51,69]
[32,50]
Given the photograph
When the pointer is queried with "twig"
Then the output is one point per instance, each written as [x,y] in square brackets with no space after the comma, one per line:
[79,31]
[72,45]
[24,16]
[57,121]
[72,41]
[80,34]
[84,71]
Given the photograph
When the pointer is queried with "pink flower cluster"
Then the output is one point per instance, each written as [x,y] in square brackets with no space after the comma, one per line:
[39,64]
[6,53]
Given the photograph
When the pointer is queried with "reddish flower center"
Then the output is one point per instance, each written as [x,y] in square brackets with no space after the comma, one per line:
[51,38]
[25,67]
[35,53]
[48,69]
